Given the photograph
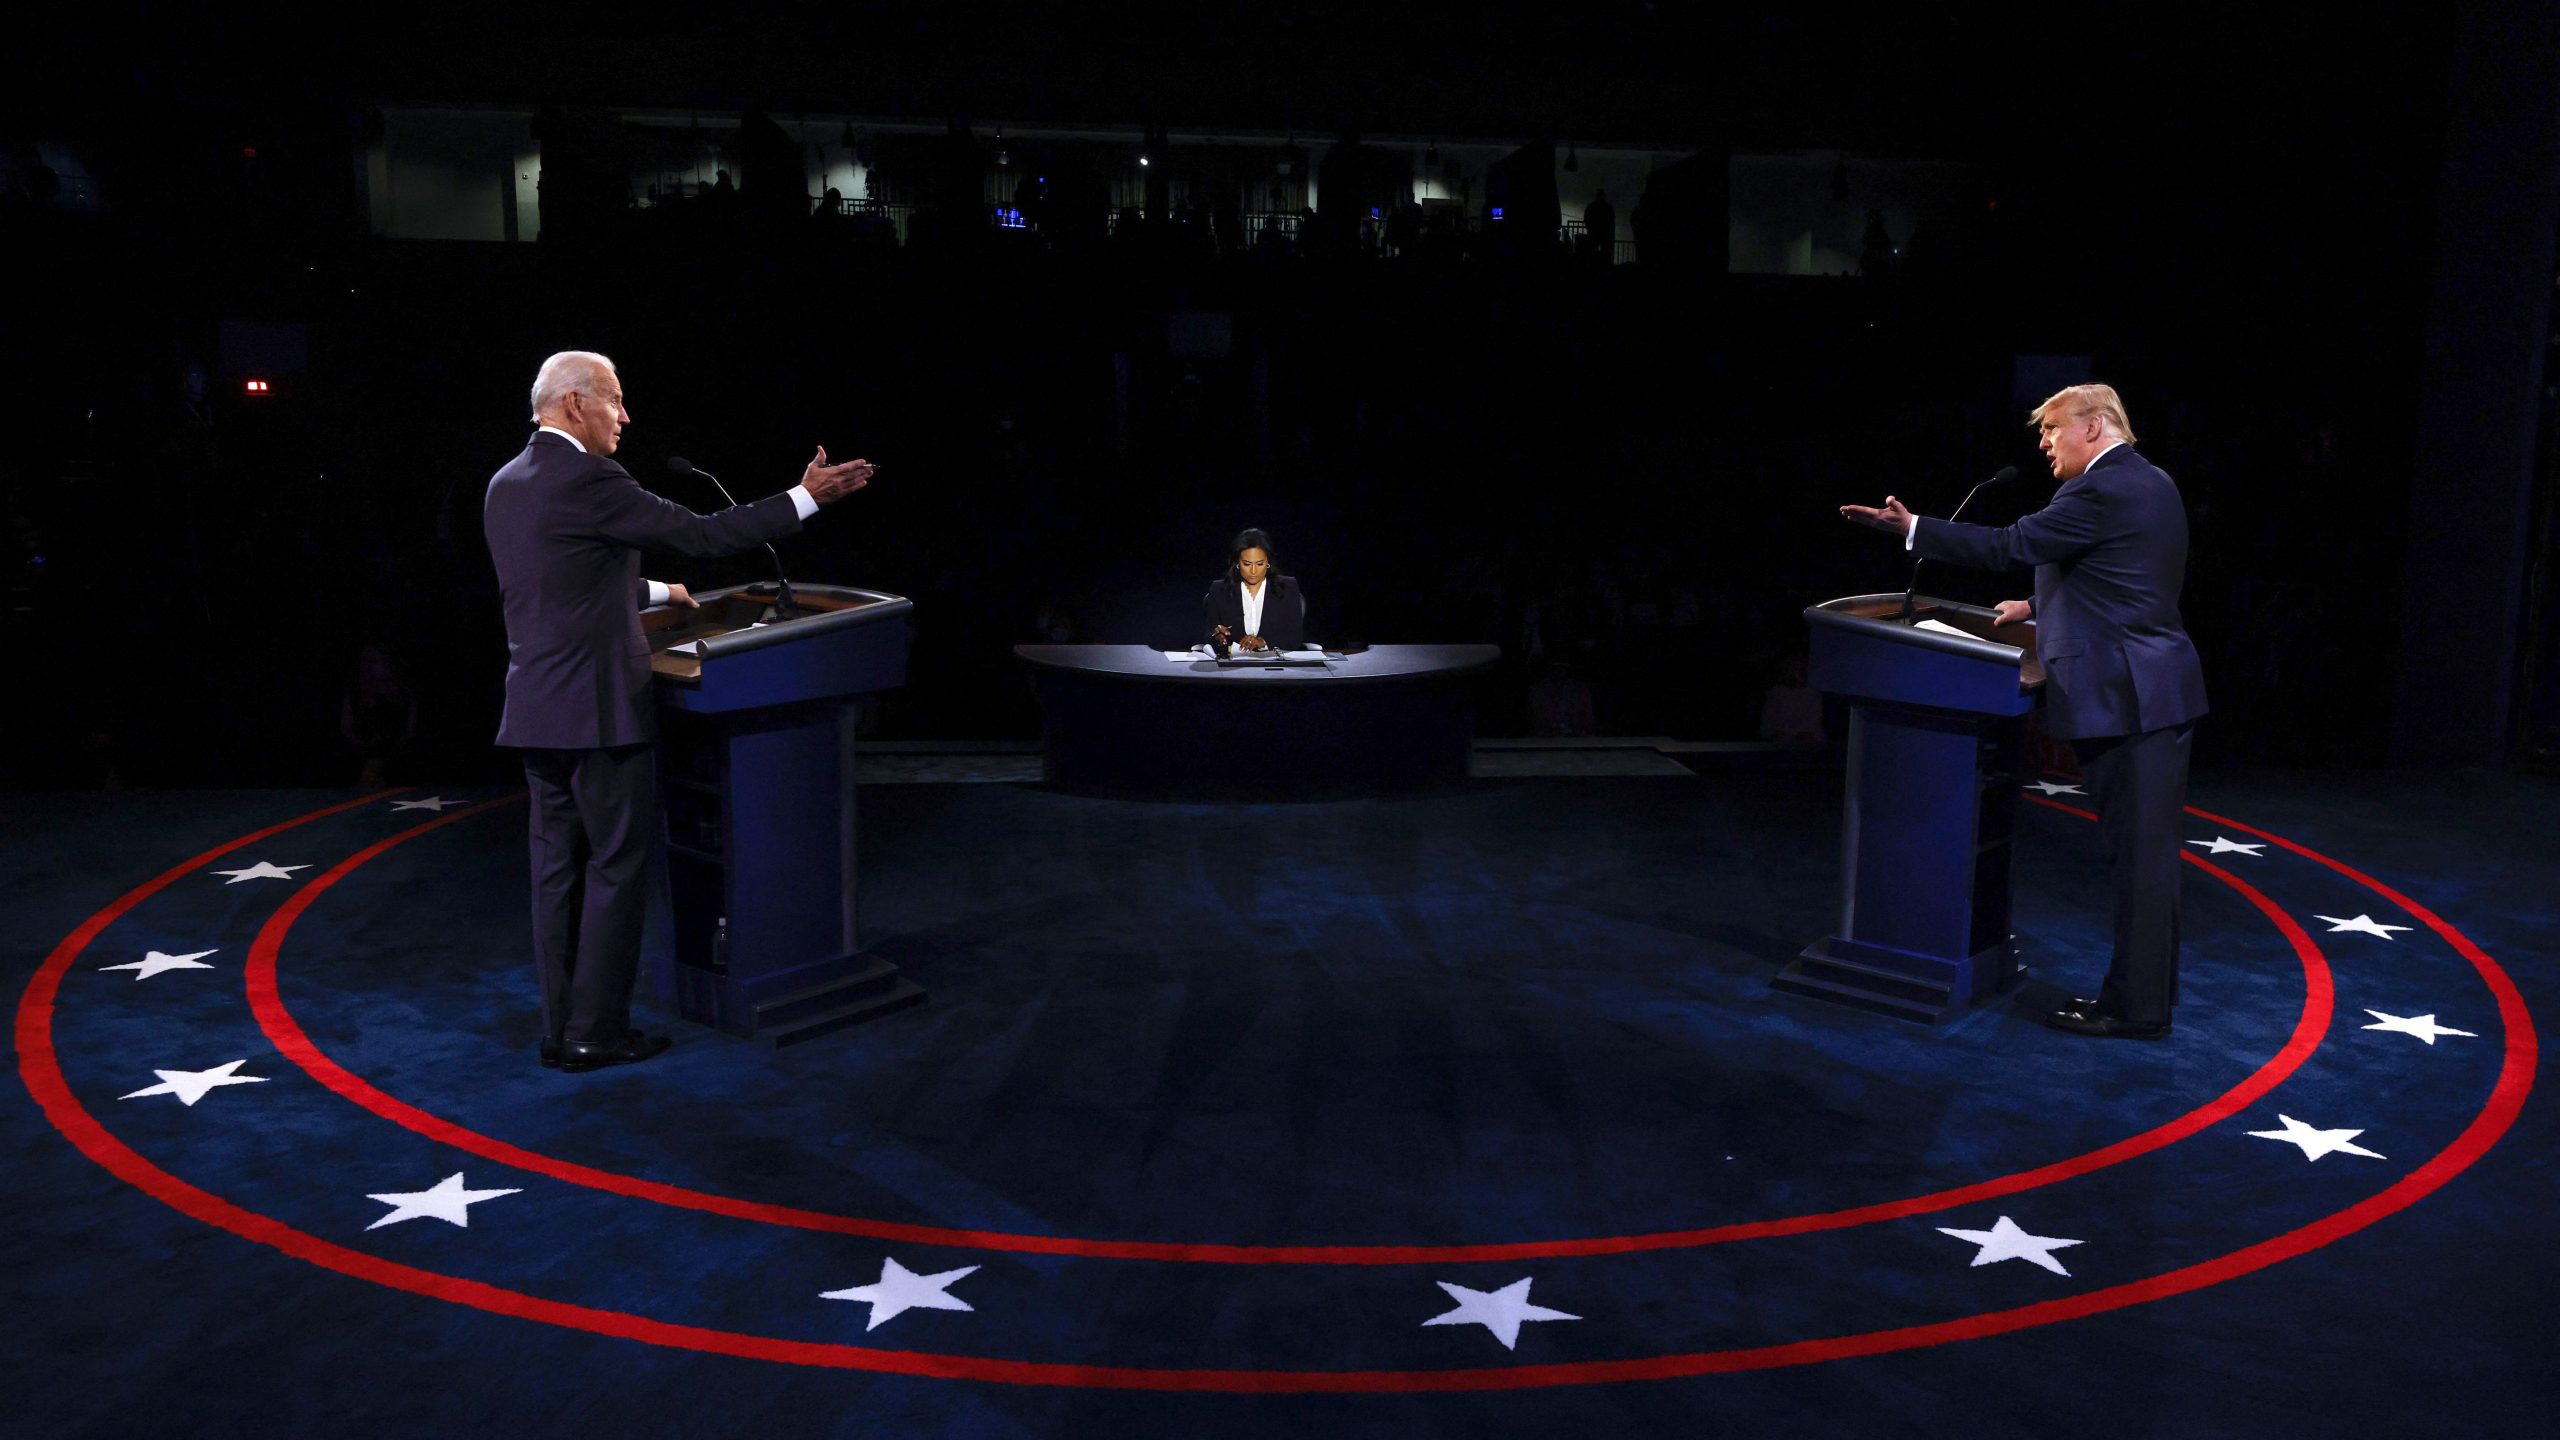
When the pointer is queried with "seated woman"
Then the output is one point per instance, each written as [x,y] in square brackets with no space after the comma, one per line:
[1253,606]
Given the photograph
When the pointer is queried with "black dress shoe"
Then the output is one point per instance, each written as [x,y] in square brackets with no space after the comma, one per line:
[2092,1021]
[578,1057]
[550,1053]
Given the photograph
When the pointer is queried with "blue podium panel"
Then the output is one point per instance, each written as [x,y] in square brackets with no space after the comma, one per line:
[757,717]
[1933,778]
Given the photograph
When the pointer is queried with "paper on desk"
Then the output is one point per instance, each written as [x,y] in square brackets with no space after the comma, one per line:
[1942,628]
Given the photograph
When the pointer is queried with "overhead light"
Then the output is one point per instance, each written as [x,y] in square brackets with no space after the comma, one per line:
[1142,159]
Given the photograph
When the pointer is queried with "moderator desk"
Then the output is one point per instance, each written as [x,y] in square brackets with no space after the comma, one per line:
[1123,719]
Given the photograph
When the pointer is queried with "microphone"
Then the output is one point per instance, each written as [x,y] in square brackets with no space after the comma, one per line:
[2006,474]
[783,609]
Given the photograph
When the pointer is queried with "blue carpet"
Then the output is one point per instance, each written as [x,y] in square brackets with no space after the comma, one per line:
[1526,1012]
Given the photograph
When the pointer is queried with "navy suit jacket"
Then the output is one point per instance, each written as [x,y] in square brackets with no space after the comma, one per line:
[2110,556]
[566,529]
[1284,610]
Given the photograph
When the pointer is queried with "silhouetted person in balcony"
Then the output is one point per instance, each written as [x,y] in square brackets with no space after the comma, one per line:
[1600,228]
[1875,249]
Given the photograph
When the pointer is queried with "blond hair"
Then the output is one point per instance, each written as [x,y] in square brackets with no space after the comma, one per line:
[569,370]
[2079,402]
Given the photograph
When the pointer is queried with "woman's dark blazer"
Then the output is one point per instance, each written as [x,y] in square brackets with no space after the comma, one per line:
[1284,611]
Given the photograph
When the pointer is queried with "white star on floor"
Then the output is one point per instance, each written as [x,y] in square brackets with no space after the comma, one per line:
[448,1202]
[2362,925]
[2316,1143]
[1500,1311]
[261,871]
[191,1086]
[436,803]
[2005,1241]
[2219,846]
[2422,1026]
[155,962]
[899,1290]
[2051,788]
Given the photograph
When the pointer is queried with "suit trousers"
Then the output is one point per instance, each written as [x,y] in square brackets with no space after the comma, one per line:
[594,826]
[2140,785]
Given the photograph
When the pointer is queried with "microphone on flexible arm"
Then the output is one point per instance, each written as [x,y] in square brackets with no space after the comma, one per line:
[2006,474]
[783,609]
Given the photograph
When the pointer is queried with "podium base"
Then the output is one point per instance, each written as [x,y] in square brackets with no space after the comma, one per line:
[799,1004]
[1924,989]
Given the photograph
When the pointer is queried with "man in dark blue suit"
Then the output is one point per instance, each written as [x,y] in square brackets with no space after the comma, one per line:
[2122,681]
[566,526]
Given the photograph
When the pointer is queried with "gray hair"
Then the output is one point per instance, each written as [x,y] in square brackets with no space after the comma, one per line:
[569,370]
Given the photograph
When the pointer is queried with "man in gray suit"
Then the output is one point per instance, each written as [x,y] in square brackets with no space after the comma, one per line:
[2122,681]
[566,526]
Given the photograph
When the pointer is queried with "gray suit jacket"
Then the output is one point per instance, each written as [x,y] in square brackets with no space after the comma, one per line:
[566,529]
[2110,556]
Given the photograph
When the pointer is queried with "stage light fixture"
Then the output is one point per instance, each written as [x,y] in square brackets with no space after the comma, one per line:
[1142,160]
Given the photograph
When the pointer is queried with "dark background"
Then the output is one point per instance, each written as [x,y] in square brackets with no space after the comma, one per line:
[2313,249]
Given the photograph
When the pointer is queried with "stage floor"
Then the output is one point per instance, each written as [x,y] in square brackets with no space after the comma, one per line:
[1471,1113]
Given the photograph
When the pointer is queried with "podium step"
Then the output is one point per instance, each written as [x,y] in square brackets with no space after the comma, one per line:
[875,989]
[1873,988]
[899,993]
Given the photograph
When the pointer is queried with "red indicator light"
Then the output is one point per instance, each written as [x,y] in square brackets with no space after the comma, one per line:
[255,387]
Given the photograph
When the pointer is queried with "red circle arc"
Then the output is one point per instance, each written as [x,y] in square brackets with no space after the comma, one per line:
[289,1037]
[40,1068]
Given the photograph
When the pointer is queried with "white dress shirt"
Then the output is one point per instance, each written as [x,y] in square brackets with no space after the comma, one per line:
[1253,606]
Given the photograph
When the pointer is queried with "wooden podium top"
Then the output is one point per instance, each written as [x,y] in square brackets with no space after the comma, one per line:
[1981,636]
[741,618]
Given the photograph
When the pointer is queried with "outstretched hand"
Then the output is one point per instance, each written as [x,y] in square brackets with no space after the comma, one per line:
[1890,516]
[827,483]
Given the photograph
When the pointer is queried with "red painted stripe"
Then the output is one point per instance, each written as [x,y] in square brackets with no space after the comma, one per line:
[40,1067]
[35,1007]
[289,1037]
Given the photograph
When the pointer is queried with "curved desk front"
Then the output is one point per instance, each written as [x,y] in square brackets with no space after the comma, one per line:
[1123,719]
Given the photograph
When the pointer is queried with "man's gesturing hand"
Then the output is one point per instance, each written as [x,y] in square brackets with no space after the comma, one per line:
[1891,517]
[827,483]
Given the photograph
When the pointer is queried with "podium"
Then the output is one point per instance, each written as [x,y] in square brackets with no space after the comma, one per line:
[1933,780]
[757,933]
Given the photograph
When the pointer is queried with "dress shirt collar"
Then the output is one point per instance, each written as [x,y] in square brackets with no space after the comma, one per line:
[565,435]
